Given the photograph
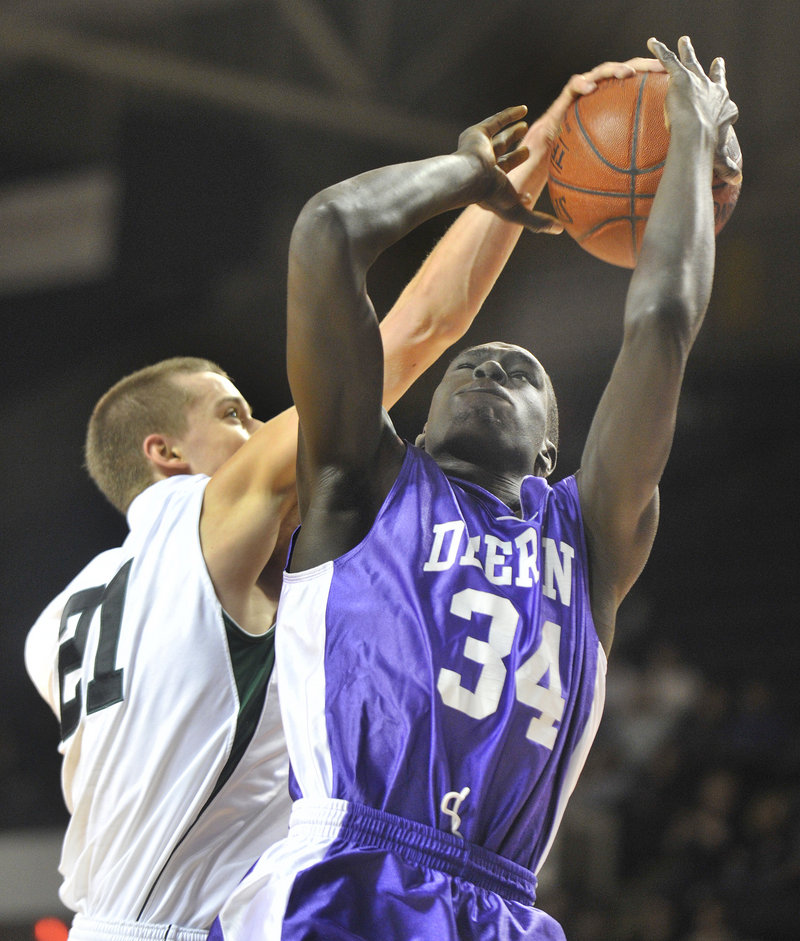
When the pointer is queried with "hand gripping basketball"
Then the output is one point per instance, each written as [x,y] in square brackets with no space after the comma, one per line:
[607,161]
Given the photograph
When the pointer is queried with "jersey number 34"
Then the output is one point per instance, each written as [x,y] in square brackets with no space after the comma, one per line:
[528,679]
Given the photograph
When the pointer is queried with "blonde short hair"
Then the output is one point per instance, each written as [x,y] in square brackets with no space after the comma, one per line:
[147,401]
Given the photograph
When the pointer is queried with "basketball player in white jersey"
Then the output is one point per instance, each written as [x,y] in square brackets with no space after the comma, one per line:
[157,658]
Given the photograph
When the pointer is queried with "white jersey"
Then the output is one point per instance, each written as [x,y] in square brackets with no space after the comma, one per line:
[175,767]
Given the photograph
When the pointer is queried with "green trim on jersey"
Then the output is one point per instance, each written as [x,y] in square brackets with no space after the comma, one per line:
[252,668]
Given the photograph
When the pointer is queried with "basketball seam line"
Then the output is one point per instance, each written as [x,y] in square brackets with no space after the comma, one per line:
[611,194]
[634,153]
[601,225]
[631,171]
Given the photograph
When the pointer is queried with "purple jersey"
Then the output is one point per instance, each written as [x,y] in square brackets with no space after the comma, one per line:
[445,671]
[454,647]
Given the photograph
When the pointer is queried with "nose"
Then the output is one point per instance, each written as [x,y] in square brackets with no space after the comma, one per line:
[490,369]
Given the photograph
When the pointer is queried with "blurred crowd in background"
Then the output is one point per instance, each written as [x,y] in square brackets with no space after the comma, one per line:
[685,825]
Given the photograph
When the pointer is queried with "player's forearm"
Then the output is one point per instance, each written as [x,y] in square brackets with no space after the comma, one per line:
[440,302]
[337,237]
[375,209]
[675,270]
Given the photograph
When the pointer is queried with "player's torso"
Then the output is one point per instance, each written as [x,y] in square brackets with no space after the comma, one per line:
[174,760]
[452,650]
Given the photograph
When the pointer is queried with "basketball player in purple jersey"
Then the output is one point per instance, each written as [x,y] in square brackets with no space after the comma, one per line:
[174,629]
[446,614]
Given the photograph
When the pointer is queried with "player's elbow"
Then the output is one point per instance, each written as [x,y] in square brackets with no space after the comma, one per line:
[671,323]
[330,229]
[319,230]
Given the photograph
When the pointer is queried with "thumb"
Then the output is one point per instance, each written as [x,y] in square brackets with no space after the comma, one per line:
[543,224]
[539,222]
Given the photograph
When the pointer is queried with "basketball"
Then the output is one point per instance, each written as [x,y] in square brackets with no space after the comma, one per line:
[606,164]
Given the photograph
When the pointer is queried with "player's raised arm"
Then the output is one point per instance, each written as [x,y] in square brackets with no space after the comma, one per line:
[249,510]
[632,431]
[335,359]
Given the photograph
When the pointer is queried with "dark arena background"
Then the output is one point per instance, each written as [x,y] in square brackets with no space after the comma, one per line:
[153,157]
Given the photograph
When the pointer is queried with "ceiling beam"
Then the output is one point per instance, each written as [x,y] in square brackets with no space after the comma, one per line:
[261,98]
[324,45]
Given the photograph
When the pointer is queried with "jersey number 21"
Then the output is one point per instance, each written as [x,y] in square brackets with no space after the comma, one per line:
[105,687]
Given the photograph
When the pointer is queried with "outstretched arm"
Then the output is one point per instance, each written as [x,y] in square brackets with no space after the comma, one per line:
[632,431]
[250,503]
[348,451]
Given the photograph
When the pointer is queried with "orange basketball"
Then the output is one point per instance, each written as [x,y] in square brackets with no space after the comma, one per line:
[606,163]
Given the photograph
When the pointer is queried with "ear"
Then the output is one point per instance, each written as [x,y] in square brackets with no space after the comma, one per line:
[165,456]
[546,459]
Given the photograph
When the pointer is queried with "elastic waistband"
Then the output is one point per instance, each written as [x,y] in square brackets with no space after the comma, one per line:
[416,843]
[92,929]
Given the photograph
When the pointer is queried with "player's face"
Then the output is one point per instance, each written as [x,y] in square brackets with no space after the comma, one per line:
[491,409]
[219,421]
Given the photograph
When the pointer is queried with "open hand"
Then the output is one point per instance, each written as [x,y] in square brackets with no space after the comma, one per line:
[495,142]
[691,91]
[547,126]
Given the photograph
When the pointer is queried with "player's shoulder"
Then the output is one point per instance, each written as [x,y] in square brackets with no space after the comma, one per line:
[538,495]
[172,495]
[181,486]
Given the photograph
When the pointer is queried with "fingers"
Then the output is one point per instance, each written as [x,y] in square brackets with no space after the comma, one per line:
[709,92]
[586,82]
[622,69]
[728,159]
[717,72]
[728,171]
[493,125]
[642,64]
[577,86]
[496,137]
[543,224]
[508,161]
[507,139]
[543,131]
[506,203]
[606,70]
[666,56]
[539,222]
[688,57]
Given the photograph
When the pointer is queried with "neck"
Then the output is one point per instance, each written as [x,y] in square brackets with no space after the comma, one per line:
[505,486]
